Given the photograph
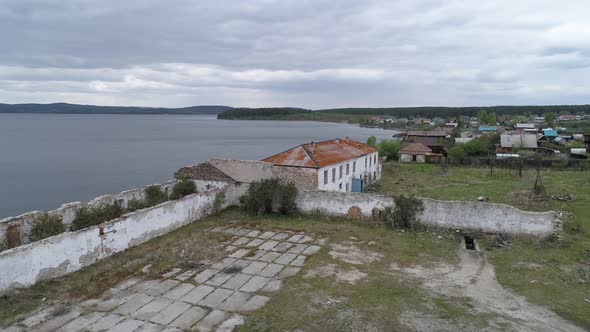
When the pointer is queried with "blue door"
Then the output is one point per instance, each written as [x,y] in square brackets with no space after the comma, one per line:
[357,185]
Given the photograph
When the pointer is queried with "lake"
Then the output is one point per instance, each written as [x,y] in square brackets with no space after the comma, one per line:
[47,159]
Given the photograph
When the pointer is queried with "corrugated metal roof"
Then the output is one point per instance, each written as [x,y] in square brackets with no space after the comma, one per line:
[321,154]
[550,132]
[416,148]
[431,133]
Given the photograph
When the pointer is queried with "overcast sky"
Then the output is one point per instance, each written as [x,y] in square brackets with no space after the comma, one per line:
[314,54]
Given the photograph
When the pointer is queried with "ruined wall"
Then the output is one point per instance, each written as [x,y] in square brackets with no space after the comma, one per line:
[487,217]
[305,178]
[14,231]
[71,251]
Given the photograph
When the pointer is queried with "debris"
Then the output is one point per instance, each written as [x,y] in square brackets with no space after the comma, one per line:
[563,198]
[147,268]
[587,300]
[482,198]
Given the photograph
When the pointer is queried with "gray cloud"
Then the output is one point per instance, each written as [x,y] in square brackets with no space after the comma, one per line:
[300,53]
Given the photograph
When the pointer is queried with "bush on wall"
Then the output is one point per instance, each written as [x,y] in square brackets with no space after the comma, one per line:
[265,195]
[90,216]
[405,213]
[183,187]
[45,226]
[154,195]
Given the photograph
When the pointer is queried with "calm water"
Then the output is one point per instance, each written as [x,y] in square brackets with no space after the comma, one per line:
[47,160]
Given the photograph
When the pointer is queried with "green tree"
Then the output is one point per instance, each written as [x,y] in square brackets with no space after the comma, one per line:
[550,118]
[372,141]
[390,149]
[457,152]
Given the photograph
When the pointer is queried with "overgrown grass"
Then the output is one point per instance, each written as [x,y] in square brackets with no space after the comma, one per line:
[551,273]
[374,302]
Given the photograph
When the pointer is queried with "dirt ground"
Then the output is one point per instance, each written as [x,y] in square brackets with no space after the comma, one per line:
[474,278]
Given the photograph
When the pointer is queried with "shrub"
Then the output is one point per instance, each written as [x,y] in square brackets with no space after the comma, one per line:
[457,152]
[45,226]
[136,204]
[405,212]
[287,199]
[87,217]
[263,196]
[154,195]
[218,202]
[389,149]
[183,187]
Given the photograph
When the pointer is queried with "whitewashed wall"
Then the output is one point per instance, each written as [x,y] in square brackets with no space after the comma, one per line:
[71,251]
[67,212]
[372,168]
[487,217]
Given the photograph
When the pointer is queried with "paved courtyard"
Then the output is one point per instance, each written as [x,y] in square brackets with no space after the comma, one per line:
[215,297]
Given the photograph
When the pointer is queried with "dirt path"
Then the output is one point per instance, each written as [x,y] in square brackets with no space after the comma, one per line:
[475,278]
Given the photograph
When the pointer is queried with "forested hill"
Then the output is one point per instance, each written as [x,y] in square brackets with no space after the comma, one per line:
[439,111]
[343,114]
[262,113]
[64,108]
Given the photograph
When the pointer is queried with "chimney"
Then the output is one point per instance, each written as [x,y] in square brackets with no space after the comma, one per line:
[312,148]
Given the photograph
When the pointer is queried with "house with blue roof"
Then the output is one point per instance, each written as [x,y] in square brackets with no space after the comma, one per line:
[550,133]
[488,129]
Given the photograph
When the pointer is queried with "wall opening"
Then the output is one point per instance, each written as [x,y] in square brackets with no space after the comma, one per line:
[469,243]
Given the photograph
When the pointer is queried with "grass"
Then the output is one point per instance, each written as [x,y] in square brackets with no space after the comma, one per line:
[555,274]
[376,301]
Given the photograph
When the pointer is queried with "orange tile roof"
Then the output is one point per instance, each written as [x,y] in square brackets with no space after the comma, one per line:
[321,154]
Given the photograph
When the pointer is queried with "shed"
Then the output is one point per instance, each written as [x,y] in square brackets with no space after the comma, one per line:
[414,152]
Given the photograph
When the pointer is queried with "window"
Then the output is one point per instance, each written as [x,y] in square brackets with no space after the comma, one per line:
[375,160]
[370,161]
[354,166]
[347,169]
[365,162]
[340,186]
[326,177]
[375,175]
[347,187]
[340,172]
[333,175]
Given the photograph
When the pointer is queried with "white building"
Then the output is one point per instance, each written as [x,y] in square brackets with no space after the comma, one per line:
[336,165]
[518,140]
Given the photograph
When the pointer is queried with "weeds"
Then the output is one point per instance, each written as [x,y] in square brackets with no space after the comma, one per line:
[45,226]
[90,216]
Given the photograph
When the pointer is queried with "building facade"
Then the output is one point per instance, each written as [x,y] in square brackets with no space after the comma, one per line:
[337,165]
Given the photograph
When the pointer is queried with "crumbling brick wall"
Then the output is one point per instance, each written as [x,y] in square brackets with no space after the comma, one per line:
[305,178]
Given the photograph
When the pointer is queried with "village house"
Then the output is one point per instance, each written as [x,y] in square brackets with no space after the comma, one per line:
[530,127]
[336,165]
[436,141]
[419,153]
[515,139]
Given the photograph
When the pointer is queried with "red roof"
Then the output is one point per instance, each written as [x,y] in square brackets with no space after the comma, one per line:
[321,154]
